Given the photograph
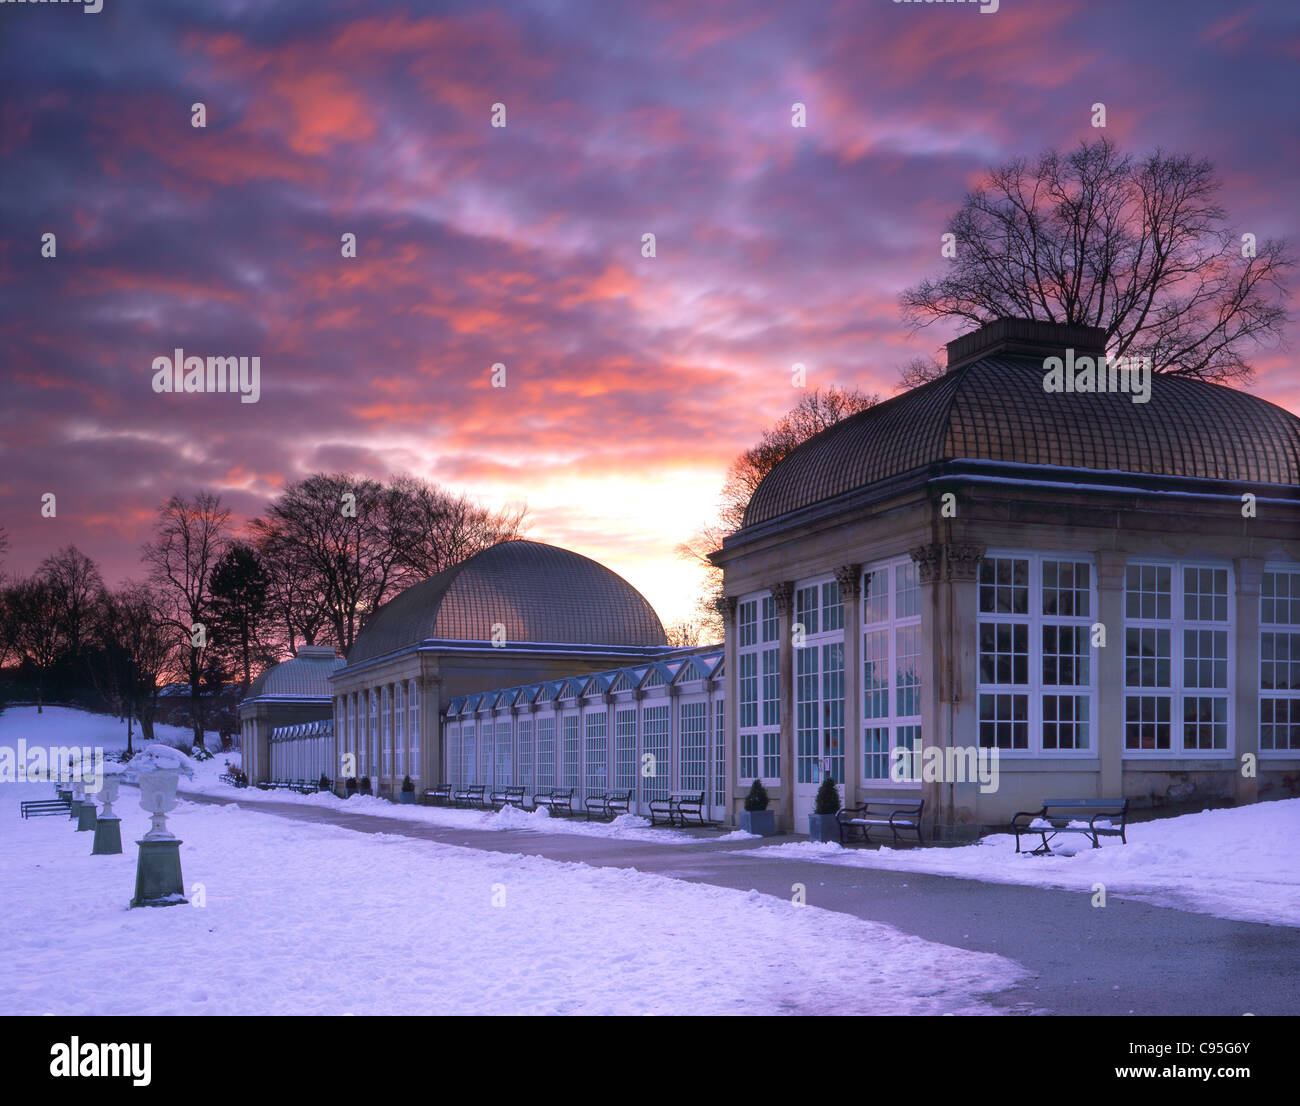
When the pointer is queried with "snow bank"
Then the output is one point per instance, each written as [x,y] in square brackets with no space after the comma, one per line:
[1238,863]
[306,918]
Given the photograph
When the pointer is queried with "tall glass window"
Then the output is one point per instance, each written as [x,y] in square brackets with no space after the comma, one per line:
[546,752]
[819,683]
[1279,664]
[657,775]
[891,670]
[572,752]
[1035,653]
[625,762]
[1177,625]
[504,769]
[758,706]
[525,741]
[694,721]
[413,729]
[597,774]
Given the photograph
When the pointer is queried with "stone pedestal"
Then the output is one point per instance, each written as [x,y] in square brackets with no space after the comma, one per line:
[108,837]
[74,809]
[158,880]
[86,817]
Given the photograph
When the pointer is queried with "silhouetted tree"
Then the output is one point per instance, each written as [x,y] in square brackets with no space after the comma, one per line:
[189,539]
[815,411]
[1138,246]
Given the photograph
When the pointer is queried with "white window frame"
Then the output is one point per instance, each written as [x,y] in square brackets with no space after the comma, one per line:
[1290,568]
[1035,689]
[1177,690]
[892,720]
[819,641]
[766,736]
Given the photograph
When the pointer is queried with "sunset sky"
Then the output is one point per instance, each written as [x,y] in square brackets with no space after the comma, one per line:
[632,382]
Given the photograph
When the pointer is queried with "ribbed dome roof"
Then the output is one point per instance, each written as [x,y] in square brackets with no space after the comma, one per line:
[304,675]
[995,409]
[540,593]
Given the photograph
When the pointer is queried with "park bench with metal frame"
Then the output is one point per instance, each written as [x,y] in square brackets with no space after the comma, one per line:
[858,821]
[1105,818]
[471,796]
[608,806]
[43,808]
[559,800]
[507,796]
[678,809]
[440,795]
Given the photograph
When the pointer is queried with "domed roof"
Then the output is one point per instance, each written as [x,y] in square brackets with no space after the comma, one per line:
[539,593]
[995,409]
[305,675]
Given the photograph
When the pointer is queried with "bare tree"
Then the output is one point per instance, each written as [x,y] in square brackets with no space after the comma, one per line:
[31,606]
[440,528]
[339,525]
[189,538]
[149,640]
[918,371]
[294,597]
[76,586]
[816,411]
[1140,247]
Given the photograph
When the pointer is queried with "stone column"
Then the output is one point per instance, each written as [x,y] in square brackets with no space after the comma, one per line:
[961,569]
[729,689]
[850,581]
[783,595]
[1107,729]
[1244,645]
[934,651]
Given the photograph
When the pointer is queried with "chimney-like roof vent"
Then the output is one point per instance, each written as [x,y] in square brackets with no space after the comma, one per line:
[1024,338]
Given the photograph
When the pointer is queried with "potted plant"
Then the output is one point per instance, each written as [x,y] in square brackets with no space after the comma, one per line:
[756,818]
[822,825]
[364,787]
[350,787]
[407,794]
[325,784]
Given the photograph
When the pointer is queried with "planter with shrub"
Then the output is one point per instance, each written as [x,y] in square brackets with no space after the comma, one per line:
[756,818]
[350,787]
[407,794]
[364,787]
[822,825]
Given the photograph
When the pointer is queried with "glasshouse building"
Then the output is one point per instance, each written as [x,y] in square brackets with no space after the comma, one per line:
[981,593]
[1104,592]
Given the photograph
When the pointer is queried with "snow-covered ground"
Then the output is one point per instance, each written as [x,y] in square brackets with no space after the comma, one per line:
[1240,863]
[308,918]
[56,726]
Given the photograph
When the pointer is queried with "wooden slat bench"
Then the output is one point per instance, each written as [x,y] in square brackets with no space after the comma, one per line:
[608,806]
[507,796]
[471,796]
[44,808]
[1096,818]
[858,821]
[440,795]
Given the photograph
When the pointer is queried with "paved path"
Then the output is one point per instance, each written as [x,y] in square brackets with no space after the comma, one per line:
[1128,958]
